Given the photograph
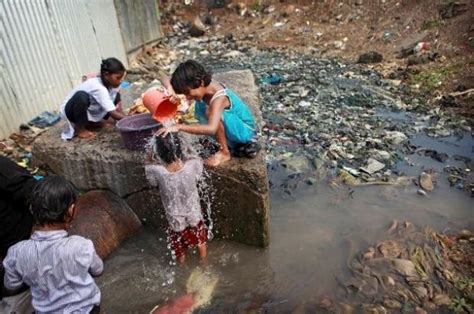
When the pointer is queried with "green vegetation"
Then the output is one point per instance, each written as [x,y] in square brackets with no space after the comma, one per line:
[459,305]
[257,6]
[431,79]
[431,24]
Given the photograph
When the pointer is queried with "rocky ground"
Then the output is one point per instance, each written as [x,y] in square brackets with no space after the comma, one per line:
[322,115]
[441,65]
[413,270]
[332,113]
[329,118]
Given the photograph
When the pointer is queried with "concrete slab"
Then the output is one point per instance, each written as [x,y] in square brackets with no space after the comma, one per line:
[240,204]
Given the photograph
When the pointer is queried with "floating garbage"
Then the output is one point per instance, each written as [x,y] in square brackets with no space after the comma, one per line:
[413,268]
[272,79]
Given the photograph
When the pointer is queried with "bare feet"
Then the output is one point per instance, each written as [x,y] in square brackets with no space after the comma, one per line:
[218,158]
[85,134]
[109,123]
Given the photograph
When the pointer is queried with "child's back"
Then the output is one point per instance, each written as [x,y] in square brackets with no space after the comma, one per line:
[56,268]
[179,192]
[178,182]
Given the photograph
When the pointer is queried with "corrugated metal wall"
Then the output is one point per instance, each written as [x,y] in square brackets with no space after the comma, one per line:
[139,22]
[45,47]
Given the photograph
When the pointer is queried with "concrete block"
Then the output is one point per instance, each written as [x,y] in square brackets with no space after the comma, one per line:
[240,205]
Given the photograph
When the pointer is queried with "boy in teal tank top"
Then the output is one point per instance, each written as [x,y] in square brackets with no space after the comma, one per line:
[220,112]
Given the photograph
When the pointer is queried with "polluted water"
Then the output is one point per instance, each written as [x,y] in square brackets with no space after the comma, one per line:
[323,117]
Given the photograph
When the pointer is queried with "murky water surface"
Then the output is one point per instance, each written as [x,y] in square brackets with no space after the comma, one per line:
[312,232]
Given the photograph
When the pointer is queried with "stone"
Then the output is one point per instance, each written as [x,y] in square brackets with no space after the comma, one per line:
[240,205]
[197,27]
[370,57]
[421,192]
[388,280]
[372,166]
[345,308]
[104,218]
[421,292]
[232,54]
[422,58]
[404,267]
[295,165]
[441,299]
[392,304]
[426,181]
[395,137]
[380,154]
[325,303]
[339,44]
[371,309]
[390,248]
[429,306]
[419,310]
[209,19]
[370,253]
[465,234]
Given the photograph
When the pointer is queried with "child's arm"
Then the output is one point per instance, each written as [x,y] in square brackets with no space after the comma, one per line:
[103,98]
[12,280]
[215,114]
[97,266]
[86,256]
[117,115]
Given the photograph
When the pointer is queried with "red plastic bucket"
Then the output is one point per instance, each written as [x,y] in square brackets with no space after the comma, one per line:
[159,105]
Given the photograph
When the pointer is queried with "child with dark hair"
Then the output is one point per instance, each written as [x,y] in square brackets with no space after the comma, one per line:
[94,100]
[178,179]
[220,112]
[58,268]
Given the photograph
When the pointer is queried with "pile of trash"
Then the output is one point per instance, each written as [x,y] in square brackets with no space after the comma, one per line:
[18,146]
[413,270]
[321,116]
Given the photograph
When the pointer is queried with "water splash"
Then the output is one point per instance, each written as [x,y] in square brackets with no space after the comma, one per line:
[208,195]
[191,149]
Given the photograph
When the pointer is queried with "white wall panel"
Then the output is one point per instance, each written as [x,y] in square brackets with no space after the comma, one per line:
[45,47]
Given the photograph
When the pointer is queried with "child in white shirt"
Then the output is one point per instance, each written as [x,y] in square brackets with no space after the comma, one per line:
[57,267]
[96,99]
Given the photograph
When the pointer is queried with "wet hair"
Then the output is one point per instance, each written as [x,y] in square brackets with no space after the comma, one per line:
[167,148]
[189,75]
[51,199]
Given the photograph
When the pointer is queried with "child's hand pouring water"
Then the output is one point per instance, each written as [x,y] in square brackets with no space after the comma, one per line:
[167,130]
